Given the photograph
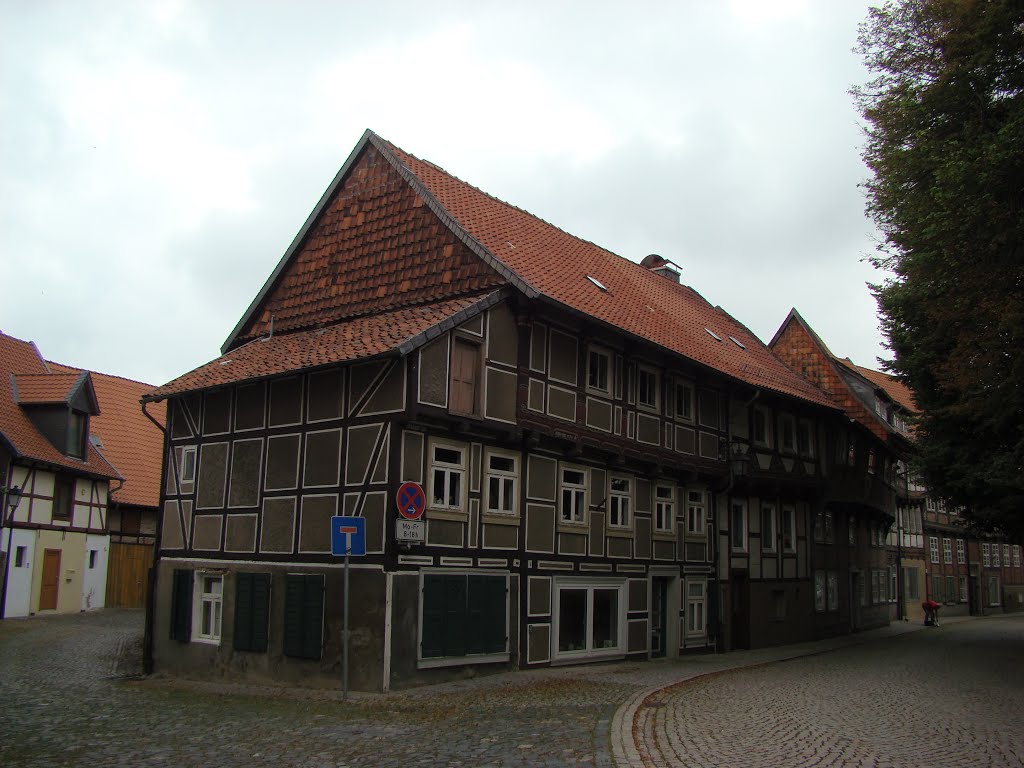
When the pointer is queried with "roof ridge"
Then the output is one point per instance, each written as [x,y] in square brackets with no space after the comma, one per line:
[100,373]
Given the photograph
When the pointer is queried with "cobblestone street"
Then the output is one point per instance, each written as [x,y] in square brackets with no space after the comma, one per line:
[937,697]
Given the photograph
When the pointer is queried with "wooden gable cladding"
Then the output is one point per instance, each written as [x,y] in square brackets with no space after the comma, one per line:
[375,246]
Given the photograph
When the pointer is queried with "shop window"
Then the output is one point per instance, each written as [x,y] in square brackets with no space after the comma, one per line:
[463,615]
[590,617]
[304,615]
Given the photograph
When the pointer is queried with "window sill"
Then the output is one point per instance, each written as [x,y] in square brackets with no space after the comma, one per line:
[460,661]
[619,532]
[454,515]
[496,518]
[664,535]
[567,526]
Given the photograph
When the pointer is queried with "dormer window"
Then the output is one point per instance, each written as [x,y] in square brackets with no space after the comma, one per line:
[76,434]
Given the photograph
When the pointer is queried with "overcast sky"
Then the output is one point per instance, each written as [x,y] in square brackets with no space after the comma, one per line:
[159,157]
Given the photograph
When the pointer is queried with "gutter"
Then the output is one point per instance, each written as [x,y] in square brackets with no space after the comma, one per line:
[147,638]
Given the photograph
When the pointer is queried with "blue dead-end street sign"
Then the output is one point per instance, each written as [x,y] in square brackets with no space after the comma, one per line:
[348,536]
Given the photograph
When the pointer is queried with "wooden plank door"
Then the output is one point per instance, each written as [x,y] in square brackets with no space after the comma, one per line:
[51,580]
[127,570]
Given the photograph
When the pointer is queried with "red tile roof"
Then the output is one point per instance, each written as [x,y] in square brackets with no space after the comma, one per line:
[355,339]
[636,300]
[46,388]
[893,387]
[129,441]
[20,359]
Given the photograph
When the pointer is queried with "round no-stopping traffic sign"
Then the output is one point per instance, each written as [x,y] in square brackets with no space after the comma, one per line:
[411,501]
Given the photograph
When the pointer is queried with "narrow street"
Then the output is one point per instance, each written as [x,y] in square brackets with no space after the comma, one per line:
[903,696]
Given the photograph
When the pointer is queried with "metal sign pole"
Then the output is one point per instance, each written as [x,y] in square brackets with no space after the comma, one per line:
[344,652]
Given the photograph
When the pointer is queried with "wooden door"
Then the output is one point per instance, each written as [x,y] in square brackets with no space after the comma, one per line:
[465,372]
[51,580]
[740,610]
[127,571]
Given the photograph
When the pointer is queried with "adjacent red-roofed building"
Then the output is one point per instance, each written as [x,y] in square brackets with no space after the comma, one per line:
[55,486]
[559,455]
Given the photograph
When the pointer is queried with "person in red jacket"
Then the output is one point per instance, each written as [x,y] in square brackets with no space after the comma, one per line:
[931,613]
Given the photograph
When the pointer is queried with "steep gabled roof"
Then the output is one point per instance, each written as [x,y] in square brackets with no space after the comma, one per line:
[898,392]
[484,243]
[397,332]
[21,362]
[126,437]
[803,351]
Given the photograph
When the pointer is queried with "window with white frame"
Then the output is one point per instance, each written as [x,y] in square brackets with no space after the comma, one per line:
[789,529]
[664,508]
[832,586]
[1006,555]
[993,590]
[1016,555]
[933,548]
[573,495]
[696,607]
[819,591]
[696,518]
[208,607]
[738,526]
[963,589]
[501,482]
[599,365]
[187,469]
[684,400]
[995,555]
[769,534]
[787,428]
[762,427]
[947,551]
[986,557]
[590,617]
[447,476]
[619,502]
[961,556]
[647,388]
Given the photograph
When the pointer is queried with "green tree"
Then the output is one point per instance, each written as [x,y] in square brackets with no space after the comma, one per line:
[945,143]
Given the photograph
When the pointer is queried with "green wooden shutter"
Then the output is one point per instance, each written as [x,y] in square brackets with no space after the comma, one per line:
[454,634]
[181,605]
[260,611]
[495,616]
[252,611]
[313,617]
[304,616]
[432,643]
[475,627]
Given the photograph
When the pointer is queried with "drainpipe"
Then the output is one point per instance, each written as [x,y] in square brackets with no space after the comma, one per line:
[147,638]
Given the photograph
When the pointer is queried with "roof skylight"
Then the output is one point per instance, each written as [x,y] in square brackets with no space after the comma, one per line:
[737,342]
[597,282]
[713,335]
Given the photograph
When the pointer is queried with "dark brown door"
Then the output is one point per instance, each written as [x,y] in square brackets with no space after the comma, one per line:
[51,580]
[740,610]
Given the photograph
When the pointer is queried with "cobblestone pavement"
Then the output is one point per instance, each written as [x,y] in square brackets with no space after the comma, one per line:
[949,696]
[68,698]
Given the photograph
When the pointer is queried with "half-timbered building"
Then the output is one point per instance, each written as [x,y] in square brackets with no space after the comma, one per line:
[611,466]
[56,484]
